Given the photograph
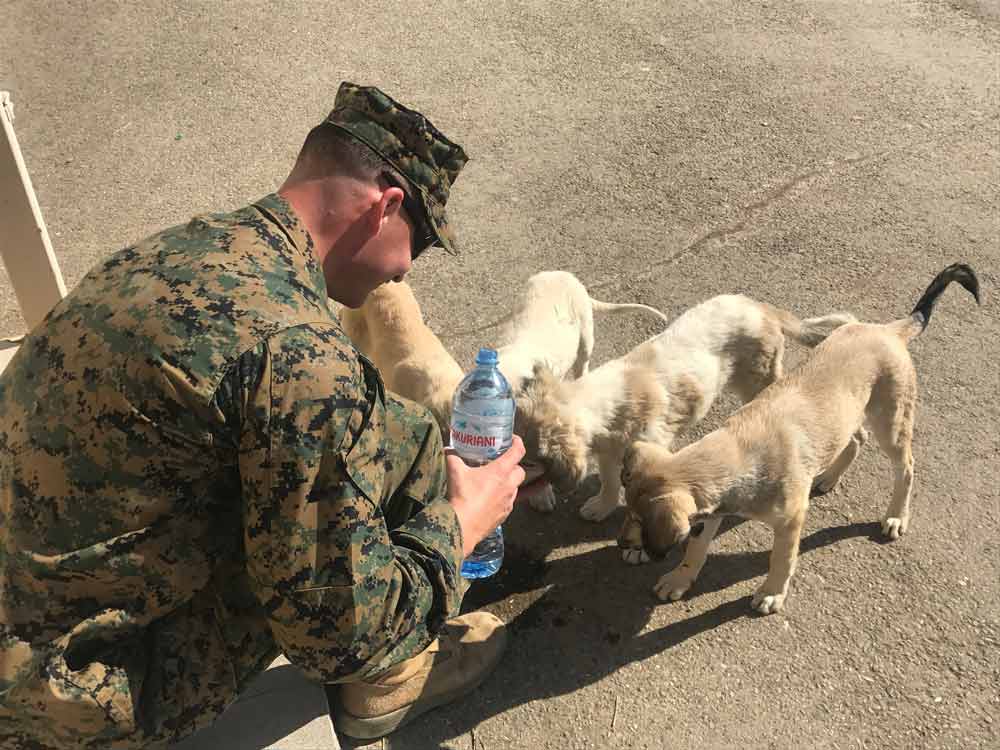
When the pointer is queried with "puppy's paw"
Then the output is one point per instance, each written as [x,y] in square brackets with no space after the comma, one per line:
[635,556]
[597,509]
[543,501]
[673,585]
[895,527]
[767,603]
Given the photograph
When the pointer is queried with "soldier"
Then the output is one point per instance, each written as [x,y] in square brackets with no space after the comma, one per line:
[198,471]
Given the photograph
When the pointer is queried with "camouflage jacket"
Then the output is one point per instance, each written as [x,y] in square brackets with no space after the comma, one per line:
[192,419]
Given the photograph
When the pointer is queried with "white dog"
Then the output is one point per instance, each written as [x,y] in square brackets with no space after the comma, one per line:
[552,325]
[389,330]
[654,392]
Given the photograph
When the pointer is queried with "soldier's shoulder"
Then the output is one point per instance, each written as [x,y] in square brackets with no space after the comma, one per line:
[319,350]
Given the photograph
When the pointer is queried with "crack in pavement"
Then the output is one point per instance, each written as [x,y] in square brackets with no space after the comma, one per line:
[750,210]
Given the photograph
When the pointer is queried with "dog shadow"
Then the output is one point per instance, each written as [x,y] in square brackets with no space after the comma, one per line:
[723,570]
[574,619]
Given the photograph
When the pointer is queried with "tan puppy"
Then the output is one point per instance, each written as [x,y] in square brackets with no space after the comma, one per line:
[552,324]
[661,387]
[801,433]
[389,330]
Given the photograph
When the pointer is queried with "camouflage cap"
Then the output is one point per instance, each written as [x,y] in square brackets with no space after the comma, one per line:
[408,141]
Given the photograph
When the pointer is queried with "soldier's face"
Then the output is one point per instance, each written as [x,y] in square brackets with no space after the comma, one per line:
[379,252]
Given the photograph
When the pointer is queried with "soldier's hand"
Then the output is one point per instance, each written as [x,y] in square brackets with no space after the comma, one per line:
[483,496]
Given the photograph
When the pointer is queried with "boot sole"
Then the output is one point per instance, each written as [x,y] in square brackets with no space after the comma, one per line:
[375,727]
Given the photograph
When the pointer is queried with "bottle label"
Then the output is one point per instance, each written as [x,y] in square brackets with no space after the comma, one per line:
[480,439]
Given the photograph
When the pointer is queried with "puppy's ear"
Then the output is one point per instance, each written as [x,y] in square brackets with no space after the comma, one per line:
[544,378]
[525,388]
[665,522]
[537,385]
[527,425]
[637,462]
[564,452]
[576,454]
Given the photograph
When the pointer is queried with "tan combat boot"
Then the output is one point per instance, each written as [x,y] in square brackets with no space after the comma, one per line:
[463,655]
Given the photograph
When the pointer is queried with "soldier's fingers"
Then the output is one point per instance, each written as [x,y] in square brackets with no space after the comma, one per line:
[454,463]
[512,455]
[511,497]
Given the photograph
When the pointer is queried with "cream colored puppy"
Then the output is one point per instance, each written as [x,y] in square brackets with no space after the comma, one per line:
[552,324]
[661,387]
[389,330]
[800,434]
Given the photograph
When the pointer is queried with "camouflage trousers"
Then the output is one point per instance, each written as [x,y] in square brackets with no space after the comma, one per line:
[182,671]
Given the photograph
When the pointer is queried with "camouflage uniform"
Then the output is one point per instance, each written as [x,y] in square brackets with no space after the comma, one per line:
[197,472]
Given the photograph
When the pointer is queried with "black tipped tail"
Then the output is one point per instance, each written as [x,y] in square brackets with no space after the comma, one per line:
[959,272]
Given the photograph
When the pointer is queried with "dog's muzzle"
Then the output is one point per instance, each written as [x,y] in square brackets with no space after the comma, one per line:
[659,553]
[655,553]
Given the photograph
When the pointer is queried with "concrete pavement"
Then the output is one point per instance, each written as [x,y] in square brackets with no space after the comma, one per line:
[817,155]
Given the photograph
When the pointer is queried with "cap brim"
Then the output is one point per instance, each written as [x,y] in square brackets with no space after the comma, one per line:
[436,218]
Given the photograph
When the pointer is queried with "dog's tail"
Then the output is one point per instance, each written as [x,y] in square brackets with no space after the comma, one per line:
[921,315]
[614,307]
[810,331]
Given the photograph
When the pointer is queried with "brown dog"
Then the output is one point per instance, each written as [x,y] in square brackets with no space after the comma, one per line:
[799,434]
[389,330]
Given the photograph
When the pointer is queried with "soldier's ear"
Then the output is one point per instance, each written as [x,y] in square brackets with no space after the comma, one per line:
[382,207]
[390,203]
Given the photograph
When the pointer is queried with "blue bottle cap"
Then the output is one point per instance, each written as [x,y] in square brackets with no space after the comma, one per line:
[486,356]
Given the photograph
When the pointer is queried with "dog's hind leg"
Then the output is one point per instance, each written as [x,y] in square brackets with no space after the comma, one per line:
[584,349]
[826,481]
[676,583]
[893,428]
[770,597]
[897,520]
[609,465]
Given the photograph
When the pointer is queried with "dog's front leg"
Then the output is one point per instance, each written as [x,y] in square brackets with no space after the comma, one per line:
[609,465]
[544,501]
[630,540]
[676,583]
[770,597]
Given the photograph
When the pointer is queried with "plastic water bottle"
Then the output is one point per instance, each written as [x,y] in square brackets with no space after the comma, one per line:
[482,427]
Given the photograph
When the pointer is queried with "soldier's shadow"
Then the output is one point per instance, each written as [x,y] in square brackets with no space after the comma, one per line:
[576,618]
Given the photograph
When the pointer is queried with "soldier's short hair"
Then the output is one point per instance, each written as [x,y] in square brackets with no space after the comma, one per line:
[328,149]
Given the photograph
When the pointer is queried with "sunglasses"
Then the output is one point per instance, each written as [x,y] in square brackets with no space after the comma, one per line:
[423,237]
